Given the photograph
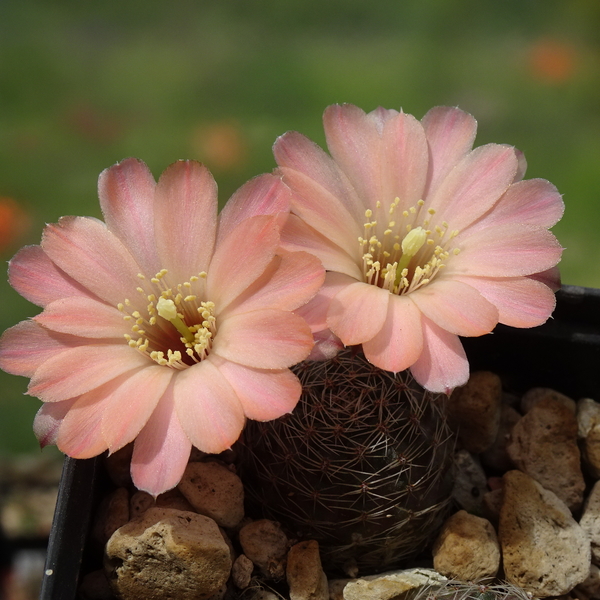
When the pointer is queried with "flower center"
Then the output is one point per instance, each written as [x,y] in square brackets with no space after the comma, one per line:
[402,251]
[175,328]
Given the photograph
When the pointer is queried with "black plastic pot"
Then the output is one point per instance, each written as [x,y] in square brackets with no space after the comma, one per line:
[563,354]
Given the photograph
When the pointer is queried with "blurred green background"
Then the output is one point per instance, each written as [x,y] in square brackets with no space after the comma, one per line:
[84,84]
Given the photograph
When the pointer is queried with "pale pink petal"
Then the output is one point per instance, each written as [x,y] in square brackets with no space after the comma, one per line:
[327,345]
[264,395]
[39,280]
[443,364]
[355,142]
[78,370]
[505,251]
[241,258]
[80,432]
[474,185]
[404,160]
[521,302]
[263,195]
[25,346]
[84,317]
[322,196]
[264,339]
[532,202]
[208,408]
[161,450]
[549,277]
[315,312]
[128,409]
[400,341]
[87,251]
[450,133]
[456,307]
[522,168]
[185,219]
[126,192]
[48,419]
[358,312]
[299,236]
[290,281]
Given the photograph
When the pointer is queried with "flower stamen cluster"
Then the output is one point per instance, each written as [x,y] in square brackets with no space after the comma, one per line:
[409,252]
[180,306]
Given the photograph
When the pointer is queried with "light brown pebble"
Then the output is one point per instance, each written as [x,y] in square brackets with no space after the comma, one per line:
[534,395]
[467,548]
[167,553]
[265,544]
[544,550]
[215,491]
[304,574]
[241,572]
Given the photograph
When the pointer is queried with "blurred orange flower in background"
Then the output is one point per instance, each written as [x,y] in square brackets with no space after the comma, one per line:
[221,145]
[553,61]
[14,222]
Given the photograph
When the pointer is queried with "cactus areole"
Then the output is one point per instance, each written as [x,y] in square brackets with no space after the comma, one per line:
[363,464]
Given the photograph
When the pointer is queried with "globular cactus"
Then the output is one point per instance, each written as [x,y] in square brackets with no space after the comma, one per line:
[363,464]
[470,590]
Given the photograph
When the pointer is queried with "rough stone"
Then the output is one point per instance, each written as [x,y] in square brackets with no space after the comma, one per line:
[534,395]
[95,586]
[167,553]
[492,503]
[544,550]
[590,521]
[241,572]
[215,491]
[394,585]
[588,422]
[112,514]
[544,445]
[475,410]
[496,456]
[304,573]
[470,483]
[118,466]
[467,548]
[265,544]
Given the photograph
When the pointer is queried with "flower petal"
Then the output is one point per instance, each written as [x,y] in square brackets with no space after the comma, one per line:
[322,195]
[327,345]
[126,192]
[80,432]
[456,307]
[128,409]
[264,339]
[505,251]
[161,450]
[25,346]
[358,312]
[264,395]
[521,302]
[355,142]
[474,185]
[315,312]
[443,364]
[39,280]
[76,371]
[83,317]
[299,236]
[185,219]
[404,160]
[263,195]
[290,281]
[48,420]
[450,133]
[549,277]
[399,343]
[241,258]
[87,251]
[533,202]
[208,408]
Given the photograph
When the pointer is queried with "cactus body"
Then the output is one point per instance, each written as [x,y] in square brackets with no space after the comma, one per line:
[362,465]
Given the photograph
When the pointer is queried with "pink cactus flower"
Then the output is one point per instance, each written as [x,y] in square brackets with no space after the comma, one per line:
[166,325]
[424,238]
